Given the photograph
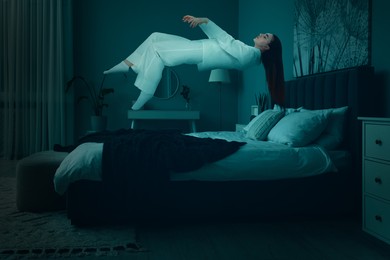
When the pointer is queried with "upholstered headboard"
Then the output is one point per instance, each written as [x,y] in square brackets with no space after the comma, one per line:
[350,87]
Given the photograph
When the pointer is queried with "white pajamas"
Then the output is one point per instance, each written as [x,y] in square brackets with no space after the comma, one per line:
[220,51]
[160,50]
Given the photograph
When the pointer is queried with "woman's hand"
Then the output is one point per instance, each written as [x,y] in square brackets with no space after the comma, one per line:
[194,21]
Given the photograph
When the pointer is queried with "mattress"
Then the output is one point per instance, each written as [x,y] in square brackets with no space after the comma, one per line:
[256,160]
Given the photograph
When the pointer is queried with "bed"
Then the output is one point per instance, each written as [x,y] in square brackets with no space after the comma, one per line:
[326,184]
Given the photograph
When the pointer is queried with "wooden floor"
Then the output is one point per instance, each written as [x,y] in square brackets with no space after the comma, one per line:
[280,239]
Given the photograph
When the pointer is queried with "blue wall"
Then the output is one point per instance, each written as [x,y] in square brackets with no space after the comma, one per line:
[381,52]
[263,17]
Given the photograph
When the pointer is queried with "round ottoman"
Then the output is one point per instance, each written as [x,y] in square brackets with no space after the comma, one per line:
[34,182]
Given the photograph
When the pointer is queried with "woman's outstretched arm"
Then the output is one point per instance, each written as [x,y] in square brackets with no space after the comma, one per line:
[194,21]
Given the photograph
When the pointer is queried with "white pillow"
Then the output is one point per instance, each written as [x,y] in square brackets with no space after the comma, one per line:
[84,162]
[333,134]
[260,126]
[299,129]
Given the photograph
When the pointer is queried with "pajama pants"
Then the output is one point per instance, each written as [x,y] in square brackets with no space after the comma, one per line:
[160,50]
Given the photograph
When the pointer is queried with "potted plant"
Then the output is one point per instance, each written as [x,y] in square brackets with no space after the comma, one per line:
[186,95]
[261,101]
[96,98]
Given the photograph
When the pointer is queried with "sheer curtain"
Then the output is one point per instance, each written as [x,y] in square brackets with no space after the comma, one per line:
[33,67]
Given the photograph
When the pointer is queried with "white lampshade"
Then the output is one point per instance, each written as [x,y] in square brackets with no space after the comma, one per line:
[219,75]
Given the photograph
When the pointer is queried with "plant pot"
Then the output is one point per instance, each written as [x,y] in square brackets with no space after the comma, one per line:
[98,123]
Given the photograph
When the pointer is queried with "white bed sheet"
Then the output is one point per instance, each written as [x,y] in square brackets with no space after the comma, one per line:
[260,160]
[256,160]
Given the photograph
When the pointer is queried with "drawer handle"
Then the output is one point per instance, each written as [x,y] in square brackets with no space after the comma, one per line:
[378,218]
[378,142]
[378,180]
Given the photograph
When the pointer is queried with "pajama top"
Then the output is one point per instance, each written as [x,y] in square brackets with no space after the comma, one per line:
[222,51]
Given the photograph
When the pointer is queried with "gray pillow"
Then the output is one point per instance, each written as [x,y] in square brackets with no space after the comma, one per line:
[299,128]
[260,126]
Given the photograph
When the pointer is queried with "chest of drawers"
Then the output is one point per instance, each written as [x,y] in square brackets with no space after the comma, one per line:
[376,177]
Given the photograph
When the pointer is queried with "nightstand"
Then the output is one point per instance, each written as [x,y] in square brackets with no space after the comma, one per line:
[376,177]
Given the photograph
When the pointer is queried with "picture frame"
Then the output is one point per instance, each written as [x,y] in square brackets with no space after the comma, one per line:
[331,35]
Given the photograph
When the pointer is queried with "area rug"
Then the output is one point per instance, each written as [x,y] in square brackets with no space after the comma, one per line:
[50,234]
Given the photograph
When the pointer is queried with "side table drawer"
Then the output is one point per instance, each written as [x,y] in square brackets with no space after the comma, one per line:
[377,217]
[377,179]
[377,141]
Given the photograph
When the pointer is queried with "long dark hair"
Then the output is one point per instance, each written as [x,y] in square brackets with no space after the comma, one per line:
[274,71]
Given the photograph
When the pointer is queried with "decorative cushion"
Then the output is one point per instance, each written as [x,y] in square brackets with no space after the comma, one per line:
[333,135]
[260,126]
[299,129]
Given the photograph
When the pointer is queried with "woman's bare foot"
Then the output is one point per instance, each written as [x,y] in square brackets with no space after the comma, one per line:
[128,63]
[119,68]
